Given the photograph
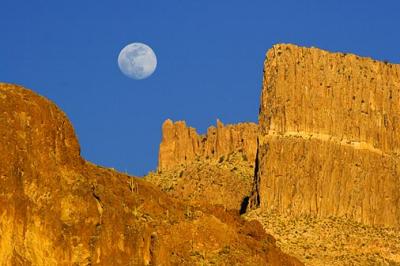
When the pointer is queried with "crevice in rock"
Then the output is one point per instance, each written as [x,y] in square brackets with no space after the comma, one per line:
[95,253]
[243,206]
[254,199]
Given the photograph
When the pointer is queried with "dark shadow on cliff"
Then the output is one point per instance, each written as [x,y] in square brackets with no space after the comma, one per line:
[243,206]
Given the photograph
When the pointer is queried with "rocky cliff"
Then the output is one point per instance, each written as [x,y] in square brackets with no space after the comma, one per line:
[217,167]
[329,138]
[181,145]
[58,209]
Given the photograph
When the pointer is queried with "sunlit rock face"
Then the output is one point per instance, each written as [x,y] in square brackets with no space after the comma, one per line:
[217,167]
[181,144]
[58,209]
[329,138]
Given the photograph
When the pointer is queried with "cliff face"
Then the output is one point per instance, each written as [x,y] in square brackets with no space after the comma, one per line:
[181,145]
[329,138]
[58,209]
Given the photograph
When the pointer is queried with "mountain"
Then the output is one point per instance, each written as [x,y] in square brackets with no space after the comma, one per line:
[58,209]
[321,173]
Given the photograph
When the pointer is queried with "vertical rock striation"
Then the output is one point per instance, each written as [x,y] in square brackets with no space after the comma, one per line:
[329,138]
[181,144]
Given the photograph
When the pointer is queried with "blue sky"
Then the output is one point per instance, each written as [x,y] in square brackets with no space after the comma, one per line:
[210,56]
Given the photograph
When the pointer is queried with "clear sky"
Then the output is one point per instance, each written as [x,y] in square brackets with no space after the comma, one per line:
[210,56]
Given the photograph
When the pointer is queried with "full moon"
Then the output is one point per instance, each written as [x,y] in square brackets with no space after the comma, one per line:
[137,61]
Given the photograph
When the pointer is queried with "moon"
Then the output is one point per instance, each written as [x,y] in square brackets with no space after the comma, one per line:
[137,61]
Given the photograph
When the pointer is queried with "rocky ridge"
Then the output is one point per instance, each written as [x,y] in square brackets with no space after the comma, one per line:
[217,167]
[182,145]
[58,209]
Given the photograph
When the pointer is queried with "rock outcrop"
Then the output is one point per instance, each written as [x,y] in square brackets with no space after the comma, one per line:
[58,209]
[329,138]
[181,145]
[217,167]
